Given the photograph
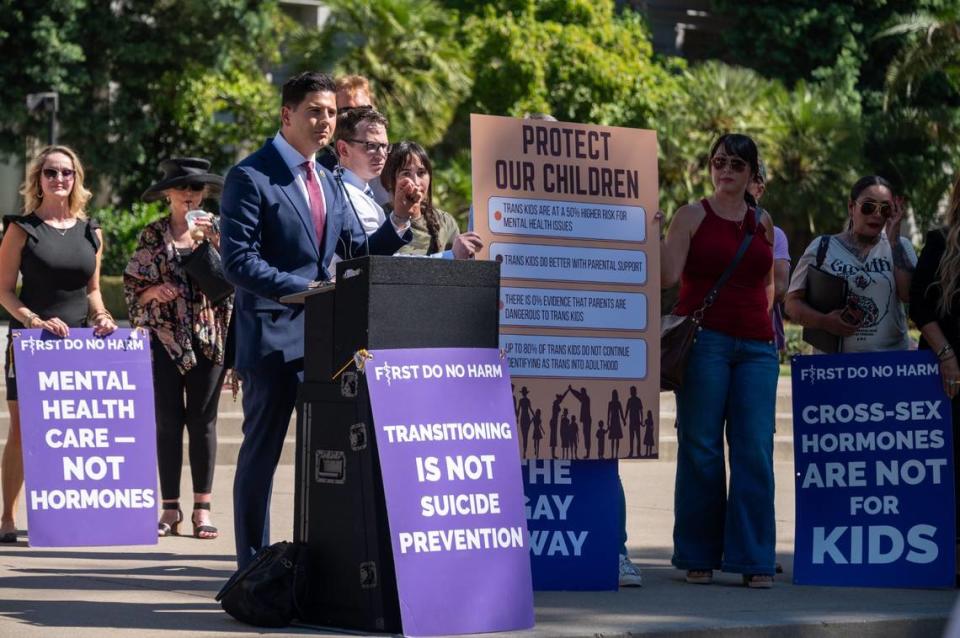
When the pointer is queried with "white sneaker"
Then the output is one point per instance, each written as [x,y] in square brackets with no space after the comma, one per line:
[629,573]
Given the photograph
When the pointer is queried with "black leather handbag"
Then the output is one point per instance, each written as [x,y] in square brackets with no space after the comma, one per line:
[266,593]
[205,269]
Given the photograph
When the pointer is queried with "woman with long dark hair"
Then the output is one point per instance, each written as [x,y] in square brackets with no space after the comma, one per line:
[877,264]
[408,176]
[730,378]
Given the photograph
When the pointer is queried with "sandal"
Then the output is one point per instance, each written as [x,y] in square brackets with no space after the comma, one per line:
[9,536]
[758,581]
[167,529]
[699,576]
[206,532]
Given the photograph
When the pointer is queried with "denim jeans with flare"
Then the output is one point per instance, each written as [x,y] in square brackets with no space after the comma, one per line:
[734,382]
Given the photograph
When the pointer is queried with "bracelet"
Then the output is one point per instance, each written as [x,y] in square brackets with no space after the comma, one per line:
[397,221]
[102,313]
[28,318]
[946,349]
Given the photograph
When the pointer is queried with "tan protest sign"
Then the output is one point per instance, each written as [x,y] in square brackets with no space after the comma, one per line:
[568,211]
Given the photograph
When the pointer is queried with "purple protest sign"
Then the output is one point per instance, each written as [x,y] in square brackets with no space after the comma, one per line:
[89,437]
[446,433]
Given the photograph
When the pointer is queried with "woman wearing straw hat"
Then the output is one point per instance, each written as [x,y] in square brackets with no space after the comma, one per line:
[189,335]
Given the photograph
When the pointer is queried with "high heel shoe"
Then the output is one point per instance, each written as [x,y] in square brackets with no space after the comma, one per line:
[209,531]
[166,529]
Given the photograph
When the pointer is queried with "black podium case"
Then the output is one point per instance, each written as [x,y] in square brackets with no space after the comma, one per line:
[340,512]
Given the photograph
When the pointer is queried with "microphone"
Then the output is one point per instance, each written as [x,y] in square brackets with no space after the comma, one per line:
[338,174]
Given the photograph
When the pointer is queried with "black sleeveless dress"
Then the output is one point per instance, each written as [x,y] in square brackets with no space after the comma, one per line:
[55,268]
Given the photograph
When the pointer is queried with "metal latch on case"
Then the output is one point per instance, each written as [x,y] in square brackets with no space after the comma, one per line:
[358,436]
[330,466]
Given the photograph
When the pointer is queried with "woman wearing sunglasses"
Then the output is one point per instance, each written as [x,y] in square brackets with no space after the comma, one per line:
[730,381]
[877,264]
[56,250]
[189,334]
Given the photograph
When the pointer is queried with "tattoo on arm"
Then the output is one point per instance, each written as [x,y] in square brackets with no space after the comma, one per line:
[900,259]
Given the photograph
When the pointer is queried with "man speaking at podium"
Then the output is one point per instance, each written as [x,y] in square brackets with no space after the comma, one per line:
[283,220]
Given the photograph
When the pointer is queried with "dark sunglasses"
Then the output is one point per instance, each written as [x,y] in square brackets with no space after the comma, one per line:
[736,165]
[870,207]
[193,186]
[53,173]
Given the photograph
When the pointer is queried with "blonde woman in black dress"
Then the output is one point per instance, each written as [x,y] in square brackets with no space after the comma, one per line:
[56,250]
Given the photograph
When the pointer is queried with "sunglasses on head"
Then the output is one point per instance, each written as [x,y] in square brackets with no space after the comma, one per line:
[53,173]
[870,207]
[193,186]
[736,165]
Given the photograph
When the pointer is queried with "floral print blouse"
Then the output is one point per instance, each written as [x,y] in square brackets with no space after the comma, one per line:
[189,320]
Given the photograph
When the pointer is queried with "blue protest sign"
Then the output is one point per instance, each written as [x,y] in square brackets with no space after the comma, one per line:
[874,471]
[572,516]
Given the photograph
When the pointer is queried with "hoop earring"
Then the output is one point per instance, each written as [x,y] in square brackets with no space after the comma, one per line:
[39,194]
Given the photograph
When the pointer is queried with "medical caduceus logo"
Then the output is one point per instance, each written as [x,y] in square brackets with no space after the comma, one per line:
[383,372]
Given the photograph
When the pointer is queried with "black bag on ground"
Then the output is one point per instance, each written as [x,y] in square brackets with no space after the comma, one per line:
[205,269]
[266,592]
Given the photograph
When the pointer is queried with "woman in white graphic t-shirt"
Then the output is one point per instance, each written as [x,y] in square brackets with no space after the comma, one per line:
[877,264]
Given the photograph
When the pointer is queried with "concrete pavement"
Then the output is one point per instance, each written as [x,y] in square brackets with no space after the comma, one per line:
[167,590]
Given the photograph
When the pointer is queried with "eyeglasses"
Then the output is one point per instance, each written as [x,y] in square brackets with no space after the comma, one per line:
[372,148]
[736,165]
[193,186]
[869,207]
[53,173]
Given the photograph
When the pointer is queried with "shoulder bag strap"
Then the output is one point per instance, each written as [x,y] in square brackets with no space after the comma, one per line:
[822,250]
[712,295]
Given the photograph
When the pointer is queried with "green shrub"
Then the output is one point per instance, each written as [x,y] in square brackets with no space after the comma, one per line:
[795,343]
[111,289]
[121,228]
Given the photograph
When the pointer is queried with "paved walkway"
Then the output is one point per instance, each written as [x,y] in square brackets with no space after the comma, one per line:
[167,590]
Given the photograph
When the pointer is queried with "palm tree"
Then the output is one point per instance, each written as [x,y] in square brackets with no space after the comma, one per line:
[933,45]
[408,49]
[713,99]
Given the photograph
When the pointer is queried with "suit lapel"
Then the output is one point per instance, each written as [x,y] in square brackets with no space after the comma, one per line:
[287,182]
[332,226]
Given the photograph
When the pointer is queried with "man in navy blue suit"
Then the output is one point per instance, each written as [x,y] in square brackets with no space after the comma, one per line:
[283,219]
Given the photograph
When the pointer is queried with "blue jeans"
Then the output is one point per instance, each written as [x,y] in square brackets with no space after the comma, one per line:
[732,380]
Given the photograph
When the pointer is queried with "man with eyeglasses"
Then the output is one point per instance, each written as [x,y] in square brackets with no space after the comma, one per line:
[362,148]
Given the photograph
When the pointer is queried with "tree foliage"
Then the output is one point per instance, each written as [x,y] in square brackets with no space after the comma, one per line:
[590,65]
[890,64]
[410,51]
[127,69]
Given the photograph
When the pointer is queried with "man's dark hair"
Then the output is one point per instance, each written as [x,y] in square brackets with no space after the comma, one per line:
[349,122]
[297,87]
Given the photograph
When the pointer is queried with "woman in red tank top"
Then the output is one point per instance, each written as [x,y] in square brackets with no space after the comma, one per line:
[731,377]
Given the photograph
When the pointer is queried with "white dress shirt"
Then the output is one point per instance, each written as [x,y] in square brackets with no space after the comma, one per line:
[294,161]
[360,194]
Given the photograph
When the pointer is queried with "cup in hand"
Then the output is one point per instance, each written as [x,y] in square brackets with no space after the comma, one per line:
[195,231]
